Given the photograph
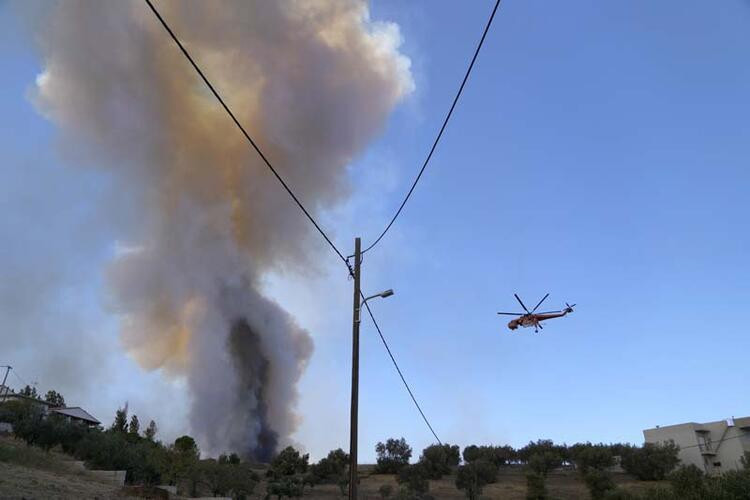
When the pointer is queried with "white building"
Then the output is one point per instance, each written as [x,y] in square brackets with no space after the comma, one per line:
[714,447]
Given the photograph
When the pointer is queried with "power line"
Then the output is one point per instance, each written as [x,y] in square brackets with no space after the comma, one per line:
[242,129]
[291,193]
[19,377]
[400,374]
[442,129]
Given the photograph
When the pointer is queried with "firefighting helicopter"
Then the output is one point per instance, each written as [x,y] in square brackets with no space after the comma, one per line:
[533,318]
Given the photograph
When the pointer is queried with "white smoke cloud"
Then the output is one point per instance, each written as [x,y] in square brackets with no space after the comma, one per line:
[313,81]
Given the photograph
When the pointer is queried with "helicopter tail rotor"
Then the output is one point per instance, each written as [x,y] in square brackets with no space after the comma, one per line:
[569,308]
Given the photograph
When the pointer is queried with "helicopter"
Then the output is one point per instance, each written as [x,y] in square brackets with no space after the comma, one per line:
[533,318]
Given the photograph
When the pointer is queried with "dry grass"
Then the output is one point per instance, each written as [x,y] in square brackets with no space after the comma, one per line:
[29,472]
[511,485]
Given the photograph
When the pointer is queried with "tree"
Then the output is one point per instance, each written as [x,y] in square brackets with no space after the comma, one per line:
[54,398]
[544,461]
[392,456]
[599,482]
[589,456]
[474,476]
[545,455]
[232,459]
[593,462]
[151,430]
[439,459]
[413,479]
[217,477]
[331,468]
[29,391]
[651,462]
[499,455]
[120,423]
[184,456]
[186,446]
[288,463]
[134,426]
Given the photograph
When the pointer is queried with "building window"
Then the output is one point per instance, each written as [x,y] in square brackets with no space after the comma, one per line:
[717,464]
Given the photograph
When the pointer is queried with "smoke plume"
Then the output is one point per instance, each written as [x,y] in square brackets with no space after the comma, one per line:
[312,81]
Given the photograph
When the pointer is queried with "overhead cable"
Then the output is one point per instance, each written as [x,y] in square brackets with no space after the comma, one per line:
[288,190]
[244,132]
[442,129]
[400,374]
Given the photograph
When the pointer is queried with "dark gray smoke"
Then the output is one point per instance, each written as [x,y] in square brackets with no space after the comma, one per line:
[252,369]
[313,81]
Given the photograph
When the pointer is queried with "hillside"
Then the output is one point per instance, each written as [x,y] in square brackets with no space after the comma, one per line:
[29,472]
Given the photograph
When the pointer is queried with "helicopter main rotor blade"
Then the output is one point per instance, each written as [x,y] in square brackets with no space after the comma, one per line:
[522,304]
[512,314]
[540,303]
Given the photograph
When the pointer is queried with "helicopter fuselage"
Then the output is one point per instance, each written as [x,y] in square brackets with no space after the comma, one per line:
[529,320]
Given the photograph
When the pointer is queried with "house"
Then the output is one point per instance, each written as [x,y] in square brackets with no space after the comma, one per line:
[76,414]
[7,394]
[71,414]
[714,447]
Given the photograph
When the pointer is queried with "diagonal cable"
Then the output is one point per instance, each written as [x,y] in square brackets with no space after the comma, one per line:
[289,191]
[400,374]
[440,133]
[242,129]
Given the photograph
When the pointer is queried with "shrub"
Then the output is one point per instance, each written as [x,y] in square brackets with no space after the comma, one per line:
[474,476]
[385,490]
[535,487]
[15,411]
[688,482]
[659,493]
[285,486]
[598,482]
[652,462]
[393,455]
[729,485]
[620,494]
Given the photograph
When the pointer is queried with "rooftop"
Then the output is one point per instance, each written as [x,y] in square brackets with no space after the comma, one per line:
[76,412]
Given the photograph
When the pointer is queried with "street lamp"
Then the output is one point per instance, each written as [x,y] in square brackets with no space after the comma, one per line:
[383,294]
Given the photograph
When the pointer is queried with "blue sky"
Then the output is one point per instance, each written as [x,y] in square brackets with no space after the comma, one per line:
[599,153]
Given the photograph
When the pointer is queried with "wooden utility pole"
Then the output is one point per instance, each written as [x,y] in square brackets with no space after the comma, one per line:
[5,378]
[355,375]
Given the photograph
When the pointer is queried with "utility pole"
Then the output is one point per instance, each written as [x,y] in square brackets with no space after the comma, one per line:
[5,379]
[355,375]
